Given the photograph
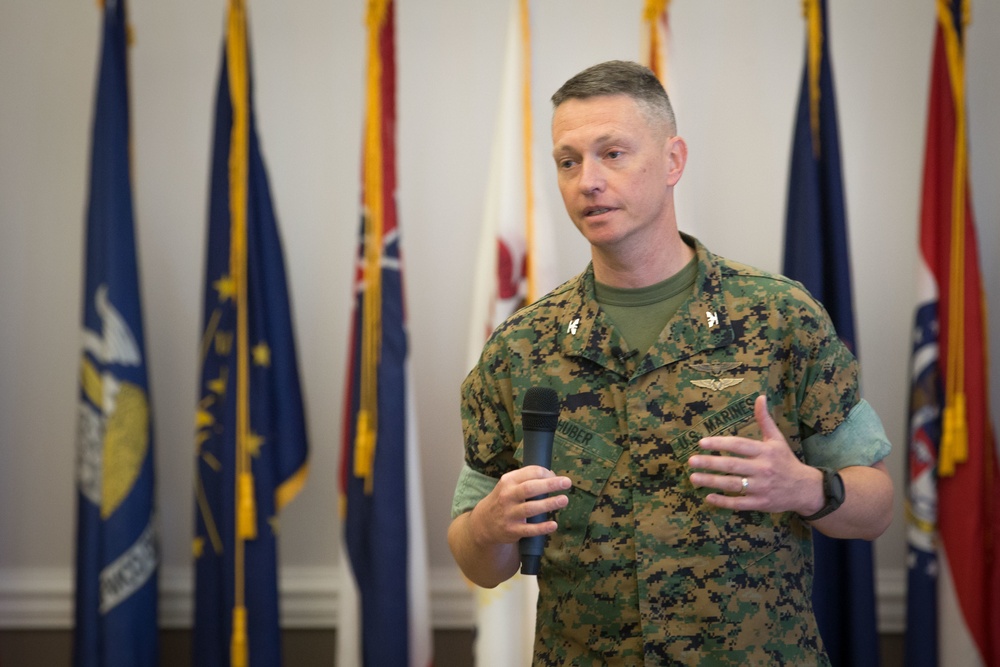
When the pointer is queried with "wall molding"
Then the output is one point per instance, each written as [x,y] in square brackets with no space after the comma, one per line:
[890,596]
[42,598]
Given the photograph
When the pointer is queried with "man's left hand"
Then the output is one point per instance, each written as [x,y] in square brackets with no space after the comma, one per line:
[762,475]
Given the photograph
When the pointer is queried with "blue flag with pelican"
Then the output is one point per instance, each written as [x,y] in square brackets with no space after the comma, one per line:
[116,549]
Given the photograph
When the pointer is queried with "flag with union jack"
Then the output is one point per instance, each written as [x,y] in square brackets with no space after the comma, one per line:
[381,499]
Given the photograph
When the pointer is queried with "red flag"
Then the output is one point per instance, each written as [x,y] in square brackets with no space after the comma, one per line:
[952,447]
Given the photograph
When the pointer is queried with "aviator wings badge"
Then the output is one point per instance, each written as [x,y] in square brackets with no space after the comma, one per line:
[716,368]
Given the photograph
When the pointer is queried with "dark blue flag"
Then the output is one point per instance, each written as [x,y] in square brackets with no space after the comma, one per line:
[251,436]
[817,255]
[116,557]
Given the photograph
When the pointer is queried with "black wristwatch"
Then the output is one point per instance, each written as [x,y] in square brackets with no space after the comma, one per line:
[833,491]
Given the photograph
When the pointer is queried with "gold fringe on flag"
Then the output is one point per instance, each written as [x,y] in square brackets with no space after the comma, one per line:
[529,178]
[374,224]
[246,521]
[955,427]
[814,39]
[239,653]
[653,13]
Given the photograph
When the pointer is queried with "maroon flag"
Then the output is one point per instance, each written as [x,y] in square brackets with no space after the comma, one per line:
[953,504]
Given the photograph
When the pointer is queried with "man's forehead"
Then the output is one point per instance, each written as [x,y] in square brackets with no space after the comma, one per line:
[618,101]
[599,118]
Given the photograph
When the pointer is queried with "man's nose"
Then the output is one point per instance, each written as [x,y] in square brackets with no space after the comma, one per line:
[591,176]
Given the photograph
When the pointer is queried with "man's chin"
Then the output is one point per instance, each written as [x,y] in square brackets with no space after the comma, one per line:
[601,235]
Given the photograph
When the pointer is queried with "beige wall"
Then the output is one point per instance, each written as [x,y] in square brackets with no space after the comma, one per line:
[735,75]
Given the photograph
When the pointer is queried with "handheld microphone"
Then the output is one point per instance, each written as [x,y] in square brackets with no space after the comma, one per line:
[539,417]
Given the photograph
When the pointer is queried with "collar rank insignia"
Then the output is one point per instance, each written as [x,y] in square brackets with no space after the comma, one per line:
[716,368]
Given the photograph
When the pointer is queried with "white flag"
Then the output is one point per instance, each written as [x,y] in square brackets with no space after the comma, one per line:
[516,265]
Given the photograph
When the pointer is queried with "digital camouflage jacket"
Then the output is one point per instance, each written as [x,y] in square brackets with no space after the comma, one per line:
[642,571]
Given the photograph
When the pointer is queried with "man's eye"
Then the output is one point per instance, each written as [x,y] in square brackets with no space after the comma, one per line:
[566,164]
[614,155]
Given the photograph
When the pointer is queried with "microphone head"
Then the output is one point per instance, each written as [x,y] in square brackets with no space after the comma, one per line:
[540,409]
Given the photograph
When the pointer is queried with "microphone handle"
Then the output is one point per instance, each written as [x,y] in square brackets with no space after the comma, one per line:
[537,451]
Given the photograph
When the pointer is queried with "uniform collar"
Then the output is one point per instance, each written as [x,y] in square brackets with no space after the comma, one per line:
[700,324]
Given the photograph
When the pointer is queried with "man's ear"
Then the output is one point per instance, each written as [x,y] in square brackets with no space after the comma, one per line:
[677,153]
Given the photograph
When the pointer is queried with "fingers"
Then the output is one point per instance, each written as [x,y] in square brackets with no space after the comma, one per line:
[526,492]
[540,505]
[729,465]
[765,421]
[771,435]
[543,480]
[738,503]
[529,482]
[726,483]
[759,462]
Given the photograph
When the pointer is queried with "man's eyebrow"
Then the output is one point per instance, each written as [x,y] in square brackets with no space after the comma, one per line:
[563,148]
[603,139]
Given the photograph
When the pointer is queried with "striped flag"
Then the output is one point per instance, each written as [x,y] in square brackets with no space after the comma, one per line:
[381,499]
[251,436]
[953,502]
[515,265]
[655,32]
[116,555]
[817,255]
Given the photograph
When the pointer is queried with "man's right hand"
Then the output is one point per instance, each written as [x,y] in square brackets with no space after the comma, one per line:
[484,540]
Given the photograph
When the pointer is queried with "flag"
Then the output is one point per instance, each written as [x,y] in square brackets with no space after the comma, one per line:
[953,502]
[381,498]
[116,555]
[515,265]
[655,30]
[817,255]
[250,423]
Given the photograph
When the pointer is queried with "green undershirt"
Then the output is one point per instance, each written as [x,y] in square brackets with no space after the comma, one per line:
[641,314]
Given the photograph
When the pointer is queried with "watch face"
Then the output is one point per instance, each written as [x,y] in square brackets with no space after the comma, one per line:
[837,488]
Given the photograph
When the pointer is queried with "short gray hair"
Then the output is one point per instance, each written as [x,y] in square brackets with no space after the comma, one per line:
[621,77]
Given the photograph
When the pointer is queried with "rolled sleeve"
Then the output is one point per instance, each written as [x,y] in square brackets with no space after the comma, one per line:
[471,488]
[859,441]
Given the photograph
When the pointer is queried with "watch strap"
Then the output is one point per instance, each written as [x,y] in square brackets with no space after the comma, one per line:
[833,500]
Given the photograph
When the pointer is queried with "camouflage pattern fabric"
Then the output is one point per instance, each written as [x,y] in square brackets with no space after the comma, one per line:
[642,571]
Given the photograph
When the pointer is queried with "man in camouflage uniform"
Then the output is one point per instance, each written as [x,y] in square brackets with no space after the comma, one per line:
[709,415]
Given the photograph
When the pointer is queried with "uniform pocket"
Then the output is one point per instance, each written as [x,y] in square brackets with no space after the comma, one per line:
[588,461]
